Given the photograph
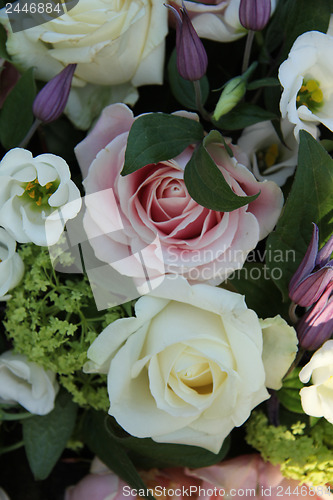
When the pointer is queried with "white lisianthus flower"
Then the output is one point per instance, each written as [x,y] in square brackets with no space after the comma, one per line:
[31,192]
[317,399]
[117,46]
[307,80]
[188,368]
[26,383]
[11,264]
[269,159]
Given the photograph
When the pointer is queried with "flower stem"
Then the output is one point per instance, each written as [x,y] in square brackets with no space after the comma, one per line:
[247,51]
[31,132]
[13,447]
[198,100]
[298,358]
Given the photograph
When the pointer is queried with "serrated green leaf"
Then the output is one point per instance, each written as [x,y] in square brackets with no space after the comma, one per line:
[158,137]
[310,200]
[244,115]
[100,442]
[150,454]
[206,184]
[183,90]
[16,115]
[45,437]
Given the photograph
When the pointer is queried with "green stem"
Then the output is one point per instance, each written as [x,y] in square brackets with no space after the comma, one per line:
[298,358]
[31,132]
[247,51]
[198,100]
[13,447]
[14,416]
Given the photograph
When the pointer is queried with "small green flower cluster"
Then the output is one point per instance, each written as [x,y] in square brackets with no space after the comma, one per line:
[52,319]
[304,453]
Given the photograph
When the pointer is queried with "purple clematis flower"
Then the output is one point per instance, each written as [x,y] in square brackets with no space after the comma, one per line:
[314,274]
[254,14]
[192,59]
[316,326]
[51,101]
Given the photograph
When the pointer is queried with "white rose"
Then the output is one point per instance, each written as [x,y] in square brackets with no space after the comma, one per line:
[113,43]
[216,20]
[11,264]
[307,79]
[31,189]
[187,369]
[269,158]
[26,383]
[317,400]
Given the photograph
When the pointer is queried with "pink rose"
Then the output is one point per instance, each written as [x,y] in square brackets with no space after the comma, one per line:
[249,476]
[200,244]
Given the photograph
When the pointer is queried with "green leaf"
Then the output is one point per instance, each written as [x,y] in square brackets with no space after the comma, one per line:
[302,16]
[16,115]
[310,200]
[183,90]
[3,39]
[254,281]
[158,137]
[244,115]
[205,182]
[263,82]
[100,442]
[288,395]
[148,453]
[46,437]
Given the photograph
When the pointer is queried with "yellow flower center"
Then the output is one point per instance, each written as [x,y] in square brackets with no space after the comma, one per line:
[39,194]
[267,157]
[310,95]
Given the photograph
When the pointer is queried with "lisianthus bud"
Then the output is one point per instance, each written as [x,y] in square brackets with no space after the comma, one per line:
[314,273]
[316,326]
[232,93]
[50,102]
[254,14]
[192,59]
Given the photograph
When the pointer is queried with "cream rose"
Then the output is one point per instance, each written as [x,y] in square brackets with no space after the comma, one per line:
[26,383]
[11,264]
[113,43]
[31,192]
[317,399]
[188,368]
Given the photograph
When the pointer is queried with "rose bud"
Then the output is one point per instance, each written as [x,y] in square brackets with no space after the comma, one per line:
[254,14]
[314,273]
[192,59]
[51,101]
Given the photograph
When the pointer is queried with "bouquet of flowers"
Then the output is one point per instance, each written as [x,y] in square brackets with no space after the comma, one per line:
[166,282]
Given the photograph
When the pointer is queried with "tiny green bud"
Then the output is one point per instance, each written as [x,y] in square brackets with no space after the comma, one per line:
[232,93]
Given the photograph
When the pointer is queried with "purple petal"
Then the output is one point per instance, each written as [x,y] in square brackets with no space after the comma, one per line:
[254,14]
[312,287]
[308,263]
[325,253]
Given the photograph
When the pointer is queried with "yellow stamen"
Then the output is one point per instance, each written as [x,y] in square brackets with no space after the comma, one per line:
[32,194]
[29,186]
[303,88]
[271,155]
[39,201]
[317,96]
[311,85]
[48,185]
